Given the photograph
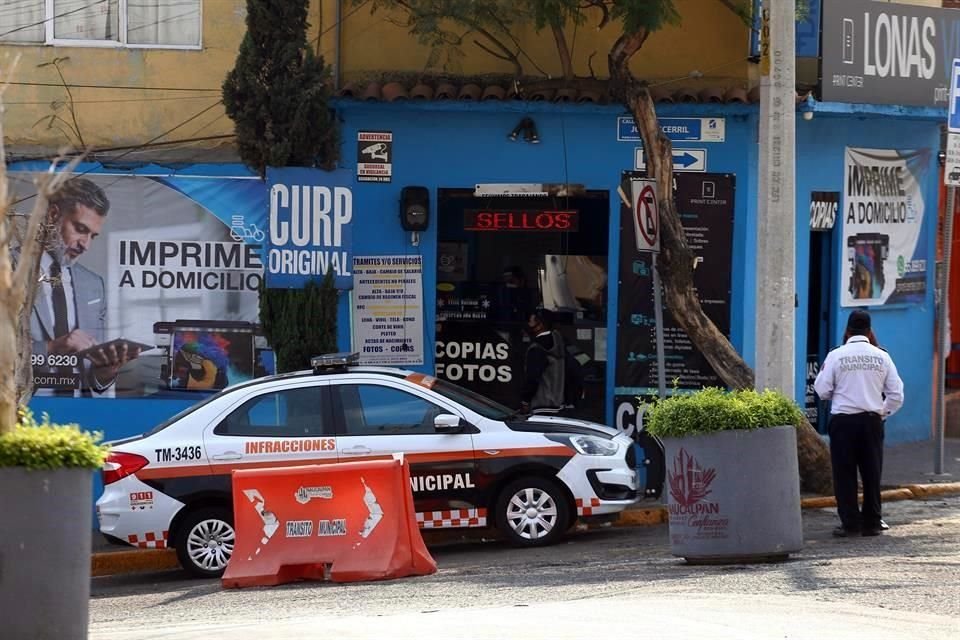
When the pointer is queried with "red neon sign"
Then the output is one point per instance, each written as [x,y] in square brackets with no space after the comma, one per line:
[521,220]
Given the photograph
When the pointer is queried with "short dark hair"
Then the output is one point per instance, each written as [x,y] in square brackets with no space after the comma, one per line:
[858,324]
[80,191]
[545,316]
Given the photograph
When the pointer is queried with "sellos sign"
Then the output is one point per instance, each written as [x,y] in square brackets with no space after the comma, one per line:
[520,220]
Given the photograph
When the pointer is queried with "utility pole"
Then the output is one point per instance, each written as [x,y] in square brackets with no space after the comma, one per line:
[776,229]
[952,181]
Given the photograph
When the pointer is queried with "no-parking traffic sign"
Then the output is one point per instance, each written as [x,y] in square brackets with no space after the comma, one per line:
[646,215]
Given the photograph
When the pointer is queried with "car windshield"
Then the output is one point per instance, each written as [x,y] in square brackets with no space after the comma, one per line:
[473,401]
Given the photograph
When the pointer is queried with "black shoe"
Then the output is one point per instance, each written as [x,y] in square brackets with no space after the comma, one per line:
[843,532]
[872,531]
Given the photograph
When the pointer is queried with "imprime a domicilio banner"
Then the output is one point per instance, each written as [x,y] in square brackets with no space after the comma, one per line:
[174,265]
[883,211]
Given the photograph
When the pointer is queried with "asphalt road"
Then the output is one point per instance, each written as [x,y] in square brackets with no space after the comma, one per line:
[904,584]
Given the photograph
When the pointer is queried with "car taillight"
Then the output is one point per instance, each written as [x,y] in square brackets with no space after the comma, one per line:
[120,465]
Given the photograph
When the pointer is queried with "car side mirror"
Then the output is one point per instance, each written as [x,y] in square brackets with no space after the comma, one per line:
[448,423]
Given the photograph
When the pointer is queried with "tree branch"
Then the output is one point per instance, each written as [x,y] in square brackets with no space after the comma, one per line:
[517,68]
[506,30]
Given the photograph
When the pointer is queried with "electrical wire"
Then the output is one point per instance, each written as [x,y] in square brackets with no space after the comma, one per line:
[46,102]
[192,12]
[701,73]
[140,146]
[340,22]
[55,17]
[109,87]
[160,88]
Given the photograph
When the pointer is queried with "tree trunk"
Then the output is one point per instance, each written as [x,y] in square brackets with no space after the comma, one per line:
[566,62]
[675,264]
[8,344]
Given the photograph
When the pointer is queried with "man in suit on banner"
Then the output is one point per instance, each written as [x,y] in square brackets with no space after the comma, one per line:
[70,309]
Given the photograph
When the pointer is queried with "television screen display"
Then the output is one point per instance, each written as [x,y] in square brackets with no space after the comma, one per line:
[208,359]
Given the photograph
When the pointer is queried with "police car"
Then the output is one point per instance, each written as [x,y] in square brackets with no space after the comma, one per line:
[473,462]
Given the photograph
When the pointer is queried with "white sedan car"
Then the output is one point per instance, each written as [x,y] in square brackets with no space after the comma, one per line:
[473,462]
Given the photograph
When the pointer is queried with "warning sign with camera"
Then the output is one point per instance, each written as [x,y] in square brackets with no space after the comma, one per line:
[374,156]
[646,215]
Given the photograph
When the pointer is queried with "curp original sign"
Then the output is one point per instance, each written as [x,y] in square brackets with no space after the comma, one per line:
[886,53]
[309,227]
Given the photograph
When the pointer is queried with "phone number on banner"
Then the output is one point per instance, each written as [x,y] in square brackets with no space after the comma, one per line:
[54,360]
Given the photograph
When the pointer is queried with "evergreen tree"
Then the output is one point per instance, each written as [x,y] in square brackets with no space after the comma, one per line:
[300,323]
[277,92]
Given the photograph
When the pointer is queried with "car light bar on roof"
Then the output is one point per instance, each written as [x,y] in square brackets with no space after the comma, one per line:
[334,361]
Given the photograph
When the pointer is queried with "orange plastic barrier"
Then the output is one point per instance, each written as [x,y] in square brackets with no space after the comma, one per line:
[355,518]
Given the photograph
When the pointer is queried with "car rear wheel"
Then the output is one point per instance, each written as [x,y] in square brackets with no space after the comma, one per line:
[532,512]
[204,541]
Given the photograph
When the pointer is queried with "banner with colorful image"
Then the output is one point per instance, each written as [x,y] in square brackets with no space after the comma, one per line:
[164,267]
[882,214]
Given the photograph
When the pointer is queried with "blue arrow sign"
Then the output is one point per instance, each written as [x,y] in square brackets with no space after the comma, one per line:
[683,159]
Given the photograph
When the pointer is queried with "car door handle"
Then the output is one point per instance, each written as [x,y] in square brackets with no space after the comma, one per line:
[355,451]
[229,455]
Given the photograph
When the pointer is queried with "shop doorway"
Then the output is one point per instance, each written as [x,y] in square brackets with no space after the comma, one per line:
[820,294]
[501,258]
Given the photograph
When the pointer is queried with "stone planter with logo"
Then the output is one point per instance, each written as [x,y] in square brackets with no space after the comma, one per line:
[46,486]
[733,494]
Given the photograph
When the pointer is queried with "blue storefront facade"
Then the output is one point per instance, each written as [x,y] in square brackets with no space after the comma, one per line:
[446,145]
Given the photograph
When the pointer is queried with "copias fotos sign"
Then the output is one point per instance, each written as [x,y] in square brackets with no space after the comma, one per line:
[310,227]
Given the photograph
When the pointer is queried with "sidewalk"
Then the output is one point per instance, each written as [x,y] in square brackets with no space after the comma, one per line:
[904,465]
[912,463]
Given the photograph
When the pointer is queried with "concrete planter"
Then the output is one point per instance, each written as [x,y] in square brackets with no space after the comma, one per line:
[45,543]
[734,496]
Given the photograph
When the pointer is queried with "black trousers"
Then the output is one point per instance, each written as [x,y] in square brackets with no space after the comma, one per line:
[856,443]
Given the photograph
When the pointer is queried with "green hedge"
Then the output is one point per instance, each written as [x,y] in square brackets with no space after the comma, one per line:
[712,409]
[49,446]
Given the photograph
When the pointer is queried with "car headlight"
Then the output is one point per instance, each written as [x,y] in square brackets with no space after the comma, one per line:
[593,446]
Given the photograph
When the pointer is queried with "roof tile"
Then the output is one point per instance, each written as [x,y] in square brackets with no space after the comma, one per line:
[392,90]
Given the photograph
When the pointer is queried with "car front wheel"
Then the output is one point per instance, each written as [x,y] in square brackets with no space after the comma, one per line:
[532,512]
[205,540]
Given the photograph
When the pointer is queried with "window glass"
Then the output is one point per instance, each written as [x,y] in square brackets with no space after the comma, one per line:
[160,23]
[370,409]
[287,413]
[473,401]
[170,22]
[22,21]
[86,20]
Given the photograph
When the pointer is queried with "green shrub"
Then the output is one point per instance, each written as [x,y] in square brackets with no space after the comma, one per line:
[712,409]
[49,446]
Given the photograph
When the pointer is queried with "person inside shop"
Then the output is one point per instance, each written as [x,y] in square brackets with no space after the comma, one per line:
[514,299]
[862,383]
[553,381]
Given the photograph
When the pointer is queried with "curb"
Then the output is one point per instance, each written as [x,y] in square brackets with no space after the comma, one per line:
[111,563]
[148,560]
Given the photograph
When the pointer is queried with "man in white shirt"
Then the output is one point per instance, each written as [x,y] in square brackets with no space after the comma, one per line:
[862,382]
